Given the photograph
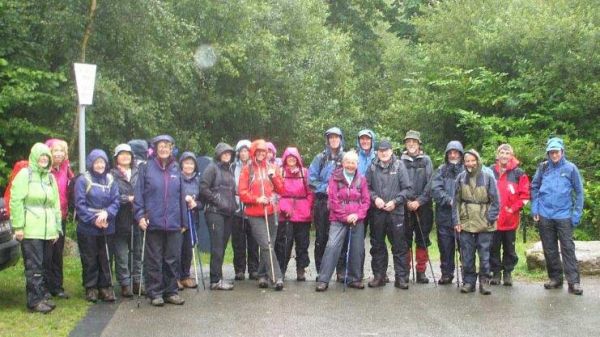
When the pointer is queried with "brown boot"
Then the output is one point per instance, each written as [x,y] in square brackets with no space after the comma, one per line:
[107,294]
[189,283]
[300,275]
[126,291]
[377,281]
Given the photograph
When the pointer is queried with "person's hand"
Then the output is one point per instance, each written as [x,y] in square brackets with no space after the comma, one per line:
[271,171]
[191,203]
[413,205]
[130,198]
[458,228]
[352,218]
[19,235]
[536,217]
[379,203]
[262,200]
[143,224]
[389,206]
[183,229]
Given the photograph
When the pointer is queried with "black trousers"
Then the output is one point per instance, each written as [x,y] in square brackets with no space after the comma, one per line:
[245,248]
[553,231]
[34,251]
[94,262]
[507,260]
[418,225]
[287,233]
[322,224]
[390,225]
[53,264]
[162,261]
[219,227]
[186,255]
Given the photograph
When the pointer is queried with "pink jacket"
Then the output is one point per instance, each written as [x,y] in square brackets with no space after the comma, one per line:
[347,199]
[296,201]
[63,175]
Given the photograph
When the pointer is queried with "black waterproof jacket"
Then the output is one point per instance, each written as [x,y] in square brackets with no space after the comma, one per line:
[389,181]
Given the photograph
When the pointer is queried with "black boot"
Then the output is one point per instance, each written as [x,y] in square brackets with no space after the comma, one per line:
[507,279]
[401,283]
[421,278]
[553,284]
[445,280]
[496,276]
[91,295]
[575,289]
[483,286]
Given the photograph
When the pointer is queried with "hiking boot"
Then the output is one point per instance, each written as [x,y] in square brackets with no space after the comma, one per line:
[137,287]
[401,283]
[91,295]
[340,277]
[495,280]
[50,303]
[575,289]
[483,287]
[180,286]
[279,285]
[158,302]
[301,275]
[507,279]
[175,299]
[356,285]
[263,283]
[553,284]
[253,276]
[321,286]
[421,278]
[221,285]
[41,307]
[445,280]
[189,283]
[377,281]
[240,276]
[106,294]
[126,292]
[467,288]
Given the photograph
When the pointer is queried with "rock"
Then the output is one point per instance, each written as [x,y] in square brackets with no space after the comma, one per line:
[587,253]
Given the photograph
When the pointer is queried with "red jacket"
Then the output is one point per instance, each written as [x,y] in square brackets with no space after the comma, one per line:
[251,188]
[513,188]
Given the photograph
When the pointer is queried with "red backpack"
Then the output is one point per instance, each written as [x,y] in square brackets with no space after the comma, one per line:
[21,164]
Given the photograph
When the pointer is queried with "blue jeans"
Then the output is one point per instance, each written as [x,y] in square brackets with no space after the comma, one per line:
[470,243]
[337,237]
[551,232]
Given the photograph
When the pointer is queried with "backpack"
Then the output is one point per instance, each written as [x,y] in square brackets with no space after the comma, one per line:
[21,164]
[89,183]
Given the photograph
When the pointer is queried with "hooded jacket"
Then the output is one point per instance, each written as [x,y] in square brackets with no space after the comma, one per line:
[443,185]
[217,186]
[102,193]
[420,174]
[345,199]
[237,170]
[513,190]
[296,200]
[62,174]
[139,147]
[476,203]
[389,181]
[365,159]
[191,185]
[125,218]
[557,188]
[255,182]
[35,201]
[325,163]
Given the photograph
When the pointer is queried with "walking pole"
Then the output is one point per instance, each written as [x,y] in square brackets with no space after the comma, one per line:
[426,248]
[457,259]
[193,242]
[412,258]
[107,256]
[131,259]
[347,259]
[142,269]
[285,252]
[262,184]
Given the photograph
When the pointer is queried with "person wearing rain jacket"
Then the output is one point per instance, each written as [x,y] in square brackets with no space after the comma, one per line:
[160,210]
[191,191]
[557,204]
[295,213]
[217,188]
[245,248]
[96,204]
[442,190]
[319,172]
[474,214]
[61,170]
[36,220]
[259,181]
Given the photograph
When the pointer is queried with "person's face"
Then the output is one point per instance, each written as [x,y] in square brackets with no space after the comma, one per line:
[124,159]
[365,142]
[291,161]
[270,155]
[43,161]
[244,154]
[334,141]
[470,162]
[99,166]
[385,155]
[412,146]
[58,155]
[260,155]
[453,156]
[164,149]
[555,155]
[504,157]
[188,166]
[349,165]
[226,157]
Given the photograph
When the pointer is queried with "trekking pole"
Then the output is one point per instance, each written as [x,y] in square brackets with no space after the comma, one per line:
[193,240]
[412,259]
[107,256]
[285,252]
[347,259]
[262,184]
[457,259]
[426,248]
[131,258]
[142,268]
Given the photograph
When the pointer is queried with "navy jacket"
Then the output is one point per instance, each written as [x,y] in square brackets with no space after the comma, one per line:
[125,218]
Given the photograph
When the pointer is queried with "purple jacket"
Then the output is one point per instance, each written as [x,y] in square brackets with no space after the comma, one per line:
[296,201]
[347,199]
[159,196]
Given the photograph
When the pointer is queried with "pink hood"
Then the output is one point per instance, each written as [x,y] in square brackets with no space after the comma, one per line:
[62,174]
[296,201]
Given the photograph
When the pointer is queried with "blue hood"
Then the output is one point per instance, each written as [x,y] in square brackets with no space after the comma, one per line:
[91,158]
[188,155]
[555,144]
[369,133]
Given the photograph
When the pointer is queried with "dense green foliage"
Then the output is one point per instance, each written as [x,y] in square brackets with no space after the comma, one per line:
[481,71]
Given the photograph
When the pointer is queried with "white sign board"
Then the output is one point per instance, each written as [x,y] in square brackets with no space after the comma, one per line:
[85,78]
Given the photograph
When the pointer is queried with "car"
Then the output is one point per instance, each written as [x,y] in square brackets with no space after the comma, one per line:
[10,249]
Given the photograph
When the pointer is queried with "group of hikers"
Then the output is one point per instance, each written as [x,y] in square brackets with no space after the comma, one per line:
[143,215]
